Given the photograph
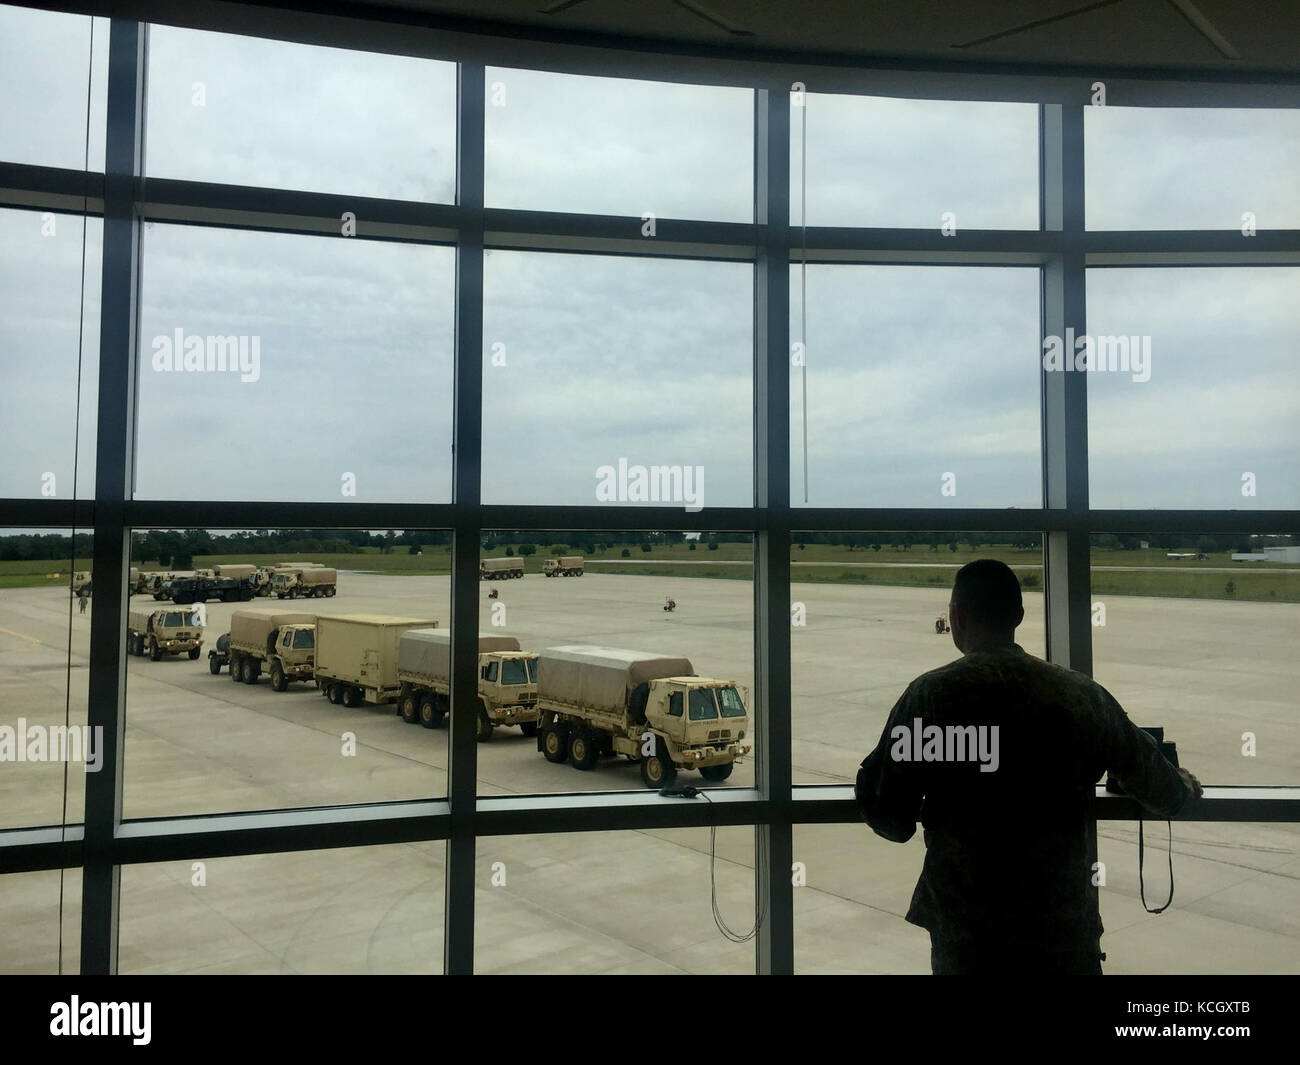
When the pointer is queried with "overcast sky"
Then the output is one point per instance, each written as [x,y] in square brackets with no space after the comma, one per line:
[912,372]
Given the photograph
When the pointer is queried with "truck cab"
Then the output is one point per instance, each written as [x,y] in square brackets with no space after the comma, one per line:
[296,646]
[508,679]
[705,721]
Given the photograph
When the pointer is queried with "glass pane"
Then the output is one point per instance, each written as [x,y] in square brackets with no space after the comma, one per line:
[31,905]
[46,748]
[356,910]
[567,142]
[921,384]
[613,902]
[220,717]
[1197,634]
[1191,168]
[49,353]
[250,111]
[866,614]
[45,58]
[617,622]
[1205,417]
[283,367]
[914,164]
[630,380]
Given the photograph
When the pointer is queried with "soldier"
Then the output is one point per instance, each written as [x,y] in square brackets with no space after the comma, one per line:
[81,601]
[998,755]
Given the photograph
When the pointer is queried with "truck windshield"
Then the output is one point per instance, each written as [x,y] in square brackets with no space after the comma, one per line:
[702,706]
[176,621]
[304,638]
[730,702]
[532,669]
[513,671]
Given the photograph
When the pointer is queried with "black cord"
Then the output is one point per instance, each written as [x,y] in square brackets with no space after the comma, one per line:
[1141,886]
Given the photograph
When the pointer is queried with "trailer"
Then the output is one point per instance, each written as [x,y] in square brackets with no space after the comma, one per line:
[507,681]
[277,642]
[356,656]
[650,708]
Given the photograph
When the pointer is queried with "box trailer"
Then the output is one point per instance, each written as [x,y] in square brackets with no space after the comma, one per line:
[356,656]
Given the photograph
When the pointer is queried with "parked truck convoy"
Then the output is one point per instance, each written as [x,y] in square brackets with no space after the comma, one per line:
[564,566]
[356,656]
[277,642]
[500,568]
[507,681]
[169,631]
[308,583]
[649,708]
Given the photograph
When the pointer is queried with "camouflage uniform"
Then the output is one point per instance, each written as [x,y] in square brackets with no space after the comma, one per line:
[1008,874]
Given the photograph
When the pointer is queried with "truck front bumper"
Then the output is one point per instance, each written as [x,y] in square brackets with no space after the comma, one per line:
[695,757]
[515,715]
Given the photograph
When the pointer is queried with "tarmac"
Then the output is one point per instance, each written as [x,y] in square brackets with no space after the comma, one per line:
[639,901]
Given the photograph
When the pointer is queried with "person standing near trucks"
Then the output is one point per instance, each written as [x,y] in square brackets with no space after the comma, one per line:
[81,601]
[998,755]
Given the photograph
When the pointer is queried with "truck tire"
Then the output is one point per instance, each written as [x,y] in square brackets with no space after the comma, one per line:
[155,654]
[330,591]
[528,728]
[430,711]
[658,771]
[352,697]
[279,682]
[716,772]
[409,706]
[233,665]
[334,692]
[247,671]
[483,726]
[194,653]
[214,665]
[582,749]
[555,744]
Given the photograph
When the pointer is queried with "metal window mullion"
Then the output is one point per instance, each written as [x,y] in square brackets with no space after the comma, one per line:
[114,449]
[772,733]
[462,746]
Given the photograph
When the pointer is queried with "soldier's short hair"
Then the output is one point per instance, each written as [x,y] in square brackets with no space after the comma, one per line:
[988,592]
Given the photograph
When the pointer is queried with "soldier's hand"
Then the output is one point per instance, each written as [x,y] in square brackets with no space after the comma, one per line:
[1192,782]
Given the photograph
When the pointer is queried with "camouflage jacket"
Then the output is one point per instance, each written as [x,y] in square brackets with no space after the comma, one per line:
[1006,803]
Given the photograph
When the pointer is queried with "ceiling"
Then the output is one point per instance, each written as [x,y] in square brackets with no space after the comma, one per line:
[1246,36]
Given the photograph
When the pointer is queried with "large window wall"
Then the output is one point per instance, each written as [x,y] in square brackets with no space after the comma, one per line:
[455,279]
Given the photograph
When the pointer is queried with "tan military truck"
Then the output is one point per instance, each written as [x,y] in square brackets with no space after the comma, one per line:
[82,583]
[170,631]
[314,583]
[650,708]
[270,641]
[507,681]
[501,569]
[238,570]
[356,656]
[564,566]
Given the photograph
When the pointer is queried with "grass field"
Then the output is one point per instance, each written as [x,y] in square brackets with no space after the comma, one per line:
[814,563]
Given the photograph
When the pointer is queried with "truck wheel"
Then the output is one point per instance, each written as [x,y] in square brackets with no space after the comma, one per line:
[329,591]
[582,749]
[279,682]
[214,665]
[484,727]
[194,653]
[555,745]
[528,728]
[246,672]
[352,697]
[430,711]
[234,668]
[658,770]
[154,653]
[334,692]
[716,772]
[409,707]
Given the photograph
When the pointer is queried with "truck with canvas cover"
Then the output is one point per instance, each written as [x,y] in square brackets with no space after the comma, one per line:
[650,708]
[356,656]
[564,566]
[500,568]
[277,642]
[169,631]
[311,583]
[507,681]
[201,589]
[239,570]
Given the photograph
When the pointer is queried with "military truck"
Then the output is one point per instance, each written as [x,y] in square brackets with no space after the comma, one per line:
[81,583]
[312,583]
[500,568]
[507,681]
[163,632]
[356,656]
[650,708]
[564,566]
[201,589]
[270,641]
[239,570]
